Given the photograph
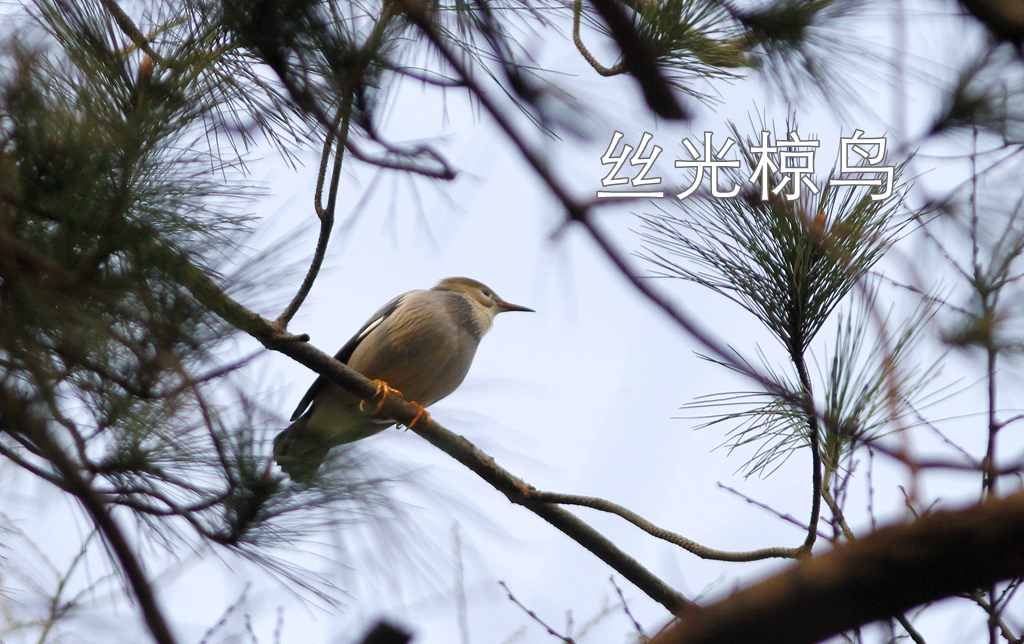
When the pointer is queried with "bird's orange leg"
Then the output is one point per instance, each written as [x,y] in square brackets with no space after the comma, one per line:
[383,390]
[421,416]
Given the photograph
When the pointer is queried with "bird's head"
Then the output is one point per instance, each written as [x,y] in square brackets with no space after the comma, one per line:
[484,300]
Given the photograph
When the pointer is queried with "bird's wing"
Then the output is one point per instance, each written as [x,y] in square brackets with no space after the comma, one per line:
[346,352]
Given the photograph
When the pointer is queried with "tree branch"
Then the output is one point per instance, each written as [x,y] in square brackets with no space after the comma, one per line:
[765,506]
[13,456]
[840,517]
[417,12]
[876,577]
[914,463]
[520,493]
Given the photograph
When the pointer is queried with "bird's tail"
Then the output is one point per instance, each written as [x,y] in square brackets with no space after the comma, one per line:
[298,453]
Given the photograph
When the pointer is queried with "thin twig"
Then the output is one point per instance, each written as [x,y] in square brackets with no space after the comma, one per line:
[598,67]
[629,613]
[701,551]
[933,463]
[837,514]
[534,616]
[909,628]
[979,598]
[326,214]
[785,517]
[226,614]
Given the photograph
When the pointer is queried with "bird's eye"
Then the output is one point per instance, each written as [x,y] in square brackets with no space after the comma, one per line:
[486,293]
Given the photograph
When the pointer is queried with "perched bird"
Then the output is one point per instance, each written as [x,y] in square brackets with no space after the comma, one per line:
[421,343]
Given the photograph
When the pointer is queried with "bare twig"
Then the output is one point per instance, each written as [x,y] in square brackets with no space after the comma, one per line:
[784,517]
[839,516]
[701,551]
[990,477]
[226,615]
[915,463]
[534,616]
[909,628]
[442,171]
[326,214]
[979,598]
[629,613]
[598,67]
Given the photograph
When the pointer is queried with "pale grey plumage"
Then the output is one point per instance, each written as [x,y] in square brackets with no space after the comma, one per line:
[421,343]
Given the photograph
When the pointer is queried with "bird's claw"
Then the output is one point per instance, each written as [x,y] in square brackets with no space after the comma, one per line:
[383,390]
[421,416]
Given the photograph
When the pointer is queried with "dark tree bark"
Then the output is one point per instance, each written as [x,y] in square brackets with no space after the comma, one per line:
[882,575]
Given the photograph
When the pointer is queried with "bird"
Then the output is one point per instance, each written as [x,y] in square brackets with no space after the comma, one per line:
[419,345]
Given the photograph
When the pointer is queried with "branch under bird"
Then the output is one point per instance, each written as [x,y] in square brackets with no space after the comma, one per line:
[421,344]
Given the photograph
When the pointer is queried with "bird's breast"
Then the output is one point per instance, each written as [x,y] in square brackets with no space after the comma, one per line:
[424,357]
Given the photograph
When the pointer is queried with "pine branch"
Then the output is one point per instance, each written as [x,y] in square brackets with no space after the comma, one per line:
[815,439]
[887,572]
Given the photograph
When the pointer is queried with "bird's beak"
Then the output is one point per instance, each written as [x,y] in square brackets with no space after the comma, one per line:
[507,306]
